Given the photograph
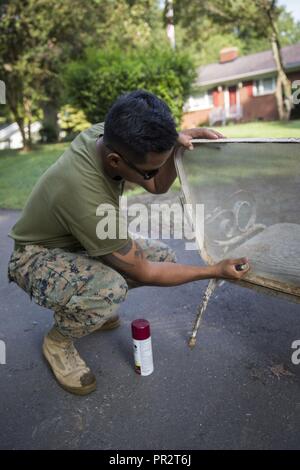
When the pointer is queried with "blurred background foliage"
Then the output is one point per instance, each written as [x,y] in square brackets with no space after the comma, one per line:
[69,57]
[94,82]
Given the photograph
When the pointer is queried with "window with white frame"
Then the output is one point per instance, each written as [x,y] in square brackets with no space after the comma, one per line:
[265,86]
[199,102]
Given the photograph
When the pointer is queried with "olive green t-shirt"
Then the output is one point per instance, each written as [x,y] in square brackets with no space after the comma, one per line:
[61,211]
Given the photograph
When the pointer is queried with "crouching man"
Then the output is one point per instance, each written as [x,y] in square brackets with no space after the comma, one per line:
[58,258]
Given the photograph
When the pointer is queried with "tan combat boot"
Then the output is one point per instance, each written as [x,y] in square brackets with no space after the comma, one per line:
[110,324]
[69,369]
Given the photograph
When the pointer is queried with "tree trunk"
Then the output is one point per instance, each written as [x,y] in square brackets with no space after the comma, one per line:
[29,132]
[170,22]
[26,141]
[50,122]
[12,103]
[20,123]
[279,100]
[284,87]
[28,114]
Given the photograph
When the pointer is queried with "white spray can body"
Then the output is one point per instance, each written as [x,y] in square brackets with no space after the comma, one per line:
[142,347]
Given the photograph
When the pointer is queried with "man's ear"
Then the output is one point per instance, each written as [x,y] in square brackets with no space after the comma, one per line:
[114,160]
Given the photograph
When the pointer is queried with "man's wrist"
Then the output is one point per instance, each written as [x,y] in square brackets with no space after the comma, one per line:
[213,270]
[210,272]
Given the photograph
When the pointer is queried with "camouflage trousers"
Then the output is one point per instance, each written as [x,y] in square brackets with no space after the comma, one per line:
[81,290]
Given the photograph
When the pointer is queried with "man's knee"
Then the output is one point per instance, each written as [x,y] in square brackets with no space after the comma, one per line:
[171,256]
[157,251]
[90,308]
[101,293]
[113,287]
[164,253]
[118,291]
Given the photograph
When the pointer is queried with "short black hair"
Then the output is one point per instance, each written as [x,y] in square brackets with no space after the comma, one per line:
[139,122]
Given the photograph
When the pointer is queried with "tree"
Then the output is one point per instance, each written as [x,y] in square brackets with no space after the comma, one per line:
[129,24]
[283,86]
[37,38]
[254,22]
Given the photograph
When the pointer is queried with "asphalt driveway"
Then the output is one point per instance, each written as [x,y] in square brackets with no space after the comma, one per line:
[237,389]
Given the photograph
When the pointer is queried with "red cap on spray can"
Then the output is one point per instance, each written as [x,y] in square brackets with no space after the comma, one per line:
[140,329]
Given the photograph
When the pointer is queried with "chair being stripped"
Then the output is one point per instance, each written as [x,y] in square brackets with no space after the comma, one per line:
[250,189]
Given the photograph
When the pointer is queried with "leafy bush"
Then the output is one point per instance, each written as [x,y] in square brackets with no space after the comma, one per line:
[95,82]
[71,121]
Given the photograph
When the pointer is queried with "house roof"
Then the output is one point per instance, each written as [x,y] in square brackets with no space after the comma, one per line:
[247,66]
[7,131]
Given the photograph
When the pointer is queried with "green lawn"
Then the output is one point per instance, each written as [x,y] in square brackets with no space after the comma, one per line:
[262,129]
[20,171]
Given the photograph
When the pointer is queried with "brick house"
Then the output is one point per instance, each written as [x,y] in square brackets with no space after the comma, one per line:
[239,88]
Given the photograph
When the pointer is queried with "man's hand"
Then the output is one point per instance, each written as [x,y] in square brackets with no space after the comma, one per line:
[226,269]
[185,137]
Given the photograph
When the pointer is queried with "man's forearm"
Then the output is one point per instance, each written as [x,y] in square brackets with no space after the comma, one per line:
[131,261]
[173,274]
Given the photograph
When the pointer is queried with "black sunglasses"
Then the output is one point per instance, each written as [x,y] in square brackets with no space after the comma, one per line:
[147,175]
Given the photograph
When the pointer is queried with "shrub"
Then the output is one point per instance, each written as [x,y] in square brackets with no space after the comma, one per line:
[94,83]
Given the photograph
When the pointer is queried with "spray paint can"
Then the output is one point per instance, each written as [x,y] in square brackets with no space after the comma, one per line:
[142,347]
